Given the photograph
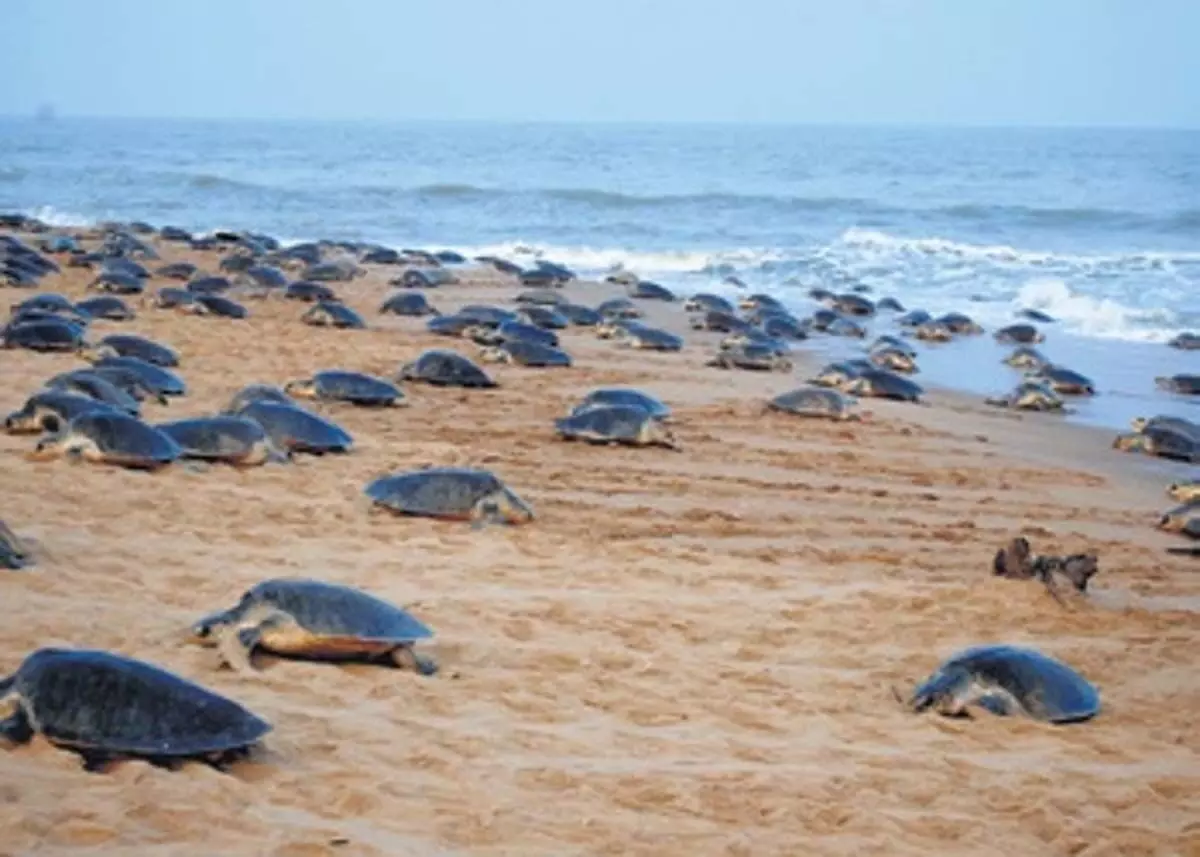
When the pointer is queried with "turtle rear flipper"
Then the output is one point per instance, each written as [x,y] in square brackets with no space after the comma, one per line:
[276,631]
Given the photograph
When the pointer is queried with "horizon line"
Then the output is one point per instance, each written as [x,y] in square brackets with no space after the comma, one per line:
[39,117]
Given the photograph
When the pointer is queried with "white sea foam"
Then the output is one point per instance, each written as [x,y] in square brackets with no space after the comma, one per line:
[53,217]
[595,260]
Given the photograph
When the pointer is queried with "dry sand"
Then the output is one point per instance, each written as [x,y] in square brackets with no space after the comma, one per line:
[685,653]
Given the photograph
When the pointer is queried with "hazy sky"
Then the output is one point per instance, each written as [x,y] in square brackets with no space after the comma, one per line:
[1039,62]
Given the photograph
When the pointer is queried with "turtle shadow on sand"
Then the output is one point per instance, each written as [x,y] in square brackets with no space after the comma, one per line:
[1015,561]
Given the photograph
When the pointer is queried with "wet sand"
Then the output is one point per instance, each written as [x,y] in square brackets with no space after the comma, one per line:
[684,654]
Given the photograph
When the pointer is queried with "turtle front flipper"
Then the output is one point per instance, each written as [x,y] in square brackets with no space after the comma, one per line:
[998,703]
[405,657]
[276,632]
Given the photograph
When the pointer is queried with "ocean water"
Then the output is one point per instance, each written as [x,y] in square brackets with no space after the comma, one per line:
[1099,228]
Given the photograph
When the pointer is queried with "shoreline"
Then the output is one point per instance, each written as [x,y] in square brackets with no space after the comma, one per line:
[682,654]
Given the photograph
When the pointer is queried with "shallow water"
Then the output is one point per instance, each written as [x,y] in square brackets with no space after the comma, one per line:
[1100,229]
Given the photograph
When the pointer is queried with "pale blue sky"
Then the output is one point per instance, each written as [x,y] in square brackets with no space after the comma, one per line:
[1007,62]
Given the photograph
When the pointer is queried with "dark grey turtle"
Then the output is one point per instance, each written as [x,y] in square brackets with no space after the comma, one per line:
[644,338]
[1164,438]
[221,307]
[209,285]
[895,359]
[755,356]
[889,304]
[331,314]
[882,384]
[893,342]
[424,278]
[759,301]
[261,277]
[960,323]
[128,345]
[1184,385]
[1183,520]
[177,271]
[818,402]
[452,493]
[170,297]
[108,708]
[492,316]
[1007,680]
[523,352]
[1027,357]
[312,620]
[541,297]
[622,278]
[504,266]
[845,327]
[14,554]
[86,382]
[545,317]
[605,396]
[1180,424]
[380,256]
[118,283]
[444,368]
[579,315]
[408,303]
[257,393]
[50,410]
[511,331]
[719,321]
[233,440]
[453,325]
[1029,396]
[852,304]
[615,308]
[333,271]
[914,318]
[132,374]
[784,327]
[302,290]
[295,430]
[933,331]
[1063,380]
[50,302]
[109,437]
[704,302]
[1035,315]
[337,385]
[648,291]
[45,335]
[629,425]
[1019,334]
[841,372]
[1186,342]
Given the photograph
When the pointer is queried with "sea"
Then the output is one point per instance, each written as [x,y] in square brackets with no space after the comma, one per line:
[1099,228]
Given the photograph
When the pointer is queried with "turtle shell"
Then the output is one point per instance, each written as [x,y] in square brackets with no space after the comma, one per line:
[333,611]
[45,334]
[623,396]
[214,438]
[157,378]
[126,440]
[128,345]
[92,699]
[438,492]
[445,368]
[297,430]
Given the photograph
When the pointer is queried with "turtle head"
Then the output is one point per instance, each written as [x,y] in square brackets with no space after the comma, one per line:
[480,334]
[1164,383]
[503,506]
[53,444]
[658,433]
[1174,520]
[494,354]
[407,372]
[944,691]
[302,388]
[30,420]
[781,363]
[1139,424]
[96,353]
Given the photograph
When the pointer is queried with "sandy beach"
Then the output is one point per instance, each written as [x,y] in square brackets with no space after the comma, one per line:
[684,654]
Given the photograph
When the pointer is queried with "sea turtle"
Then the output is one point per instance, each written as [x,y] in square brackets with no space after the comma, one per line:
[545,317]
[1007,680]
[882,384]
[541,297]
[338,385]
[209,285]
[482,334]
[1187,491]
[580,315]
[1063,380]
[755,356]
[841,372]
[1164,440]
[704,302]
[1035,315]
[177,271]
[889,304]
[759,301]
[719,321]
[630,425]
[1185,385]
[333,314]
[261,277]
[492,316]
[893,342]
[454,493]
[1183,520]
[605,396]
[646,290]
[894,359]
[314,620]
[504,266]
[615,308]
[118,283]
[960,323]
[821,402]
[454,325]
[49,410]
[47,335]
[109,437]
[933,331]
[221,306]
[51,302]
[424,278]
[445,368]
[1019,334]
[408,303]
[14,555]
[87,382]
[525,353]
[1026,357]
[107,708]
[1180,424]
[295,429]
[234,440]
[1029,396]
[308,292]
[778,326]
[107,307]
[129,345]
[170,297]
[851,304]
[163,382]
[1186,342]
[256,393]
[914,318]
[643,338]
